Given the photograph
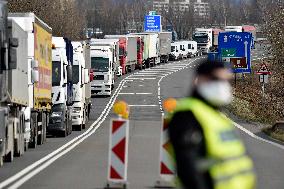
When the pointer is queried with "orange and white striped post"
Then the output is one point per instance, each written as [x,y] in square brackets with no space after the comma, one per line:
[118,148]
[167,173]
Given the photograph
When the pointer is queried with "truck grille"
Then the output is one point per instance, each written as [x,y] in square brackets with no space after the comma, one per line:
[96,91]
[99,77]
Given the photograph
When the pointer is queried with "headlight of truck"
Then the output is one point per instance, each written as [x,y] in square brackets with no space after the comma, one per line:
[56,114]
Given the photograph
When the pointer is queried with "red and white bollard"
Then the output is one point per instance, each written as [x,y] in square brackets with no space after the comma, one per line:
[167,165]
[118,153]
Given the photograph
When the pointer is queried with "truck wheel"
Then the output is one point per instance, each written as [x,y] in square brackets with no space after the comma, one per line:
[33,143]
[34,134]
[64,133]
[1,161]
[10,156]
[40,136]
[84,126]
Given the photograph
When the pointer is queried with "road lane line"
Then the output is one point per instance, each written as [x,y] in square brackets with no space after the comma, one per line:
[126,93]
[151,105]
[257,137]
[144,93]
[142,78]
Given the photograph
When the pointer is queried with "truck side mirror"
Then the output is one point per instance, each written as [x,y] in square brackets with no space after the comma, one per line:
[13,45]
[192,48]
[69,74]
[86,76]
[92,76]
[35,76]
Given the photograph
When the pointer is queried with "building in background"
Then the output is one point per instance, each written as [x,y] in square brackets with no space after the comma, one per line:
[161,5]
[201,8]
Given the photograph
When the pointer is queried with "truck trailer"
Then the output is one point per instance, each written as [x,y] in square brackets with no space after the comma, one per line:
[151,45]
[165,45]
[14,97]
[39,75]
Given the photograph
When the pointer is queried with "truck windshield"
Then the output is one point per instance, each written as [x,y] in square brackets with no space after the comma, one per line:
[100,64]
[76,74]
[200,38]
[173,48]
[56,73]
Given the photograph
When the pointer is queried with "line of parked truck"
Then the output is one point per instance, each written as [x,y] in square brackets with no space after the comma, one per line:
[45,83]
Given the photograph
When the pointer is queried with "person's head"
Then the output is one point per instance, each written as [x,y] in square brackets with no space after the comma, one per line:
[213,83]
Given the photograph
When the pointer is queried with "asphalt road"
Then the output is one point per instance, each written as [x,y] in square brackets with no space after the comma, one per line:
[80,160]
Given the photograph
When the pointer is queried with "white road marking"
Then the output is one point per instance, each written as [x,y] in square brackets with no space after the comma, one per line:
[143,93]
[257,137]
[145,105]
[143,78]
[126,93]
[135,93]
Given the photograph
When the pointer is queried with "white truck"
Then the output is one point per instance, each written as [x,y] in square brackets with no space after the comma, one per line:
[81,79]
[104,54]
[13,92]
[165,45]
[39,69]
[60,122]
[204,39]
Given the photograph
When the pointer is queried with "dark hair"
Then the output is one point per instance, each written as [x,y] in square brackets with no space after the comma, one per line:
[206,67]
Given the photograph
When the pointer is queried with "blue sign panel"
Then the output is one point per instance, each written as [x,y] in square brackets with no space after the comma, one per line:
[235,48]
[152,23]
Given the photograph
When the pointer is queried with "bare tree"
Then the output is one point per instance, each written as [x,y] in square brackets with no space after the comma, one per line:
[64,16]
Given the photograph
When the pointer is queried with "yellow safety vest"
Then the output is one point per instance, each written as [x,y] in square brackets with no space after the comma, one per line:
[230,167]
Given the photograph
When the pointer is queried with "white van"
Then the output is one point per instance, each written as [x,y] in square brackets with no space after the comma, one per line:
[191,48]
[183,48]
[175,51]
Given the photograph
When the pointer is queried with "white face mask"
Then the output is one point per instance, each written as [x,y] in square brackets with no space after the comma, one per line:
[218,93]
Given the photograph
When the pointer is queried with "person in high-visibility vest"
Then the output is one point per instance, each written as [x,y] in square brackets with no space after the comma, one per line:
[209,153]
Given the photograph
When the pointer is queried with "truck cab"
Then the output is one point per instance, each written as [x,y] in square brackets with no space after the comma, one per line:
[60,119]
[103,64]
[204,39]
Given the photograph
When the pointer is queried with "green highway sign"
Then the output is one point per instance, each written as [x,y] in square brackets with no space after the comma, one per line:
[229,52]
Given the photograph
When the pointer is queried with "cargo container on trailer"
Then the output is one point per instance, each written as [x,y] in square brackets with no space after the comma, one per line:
[39,75]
